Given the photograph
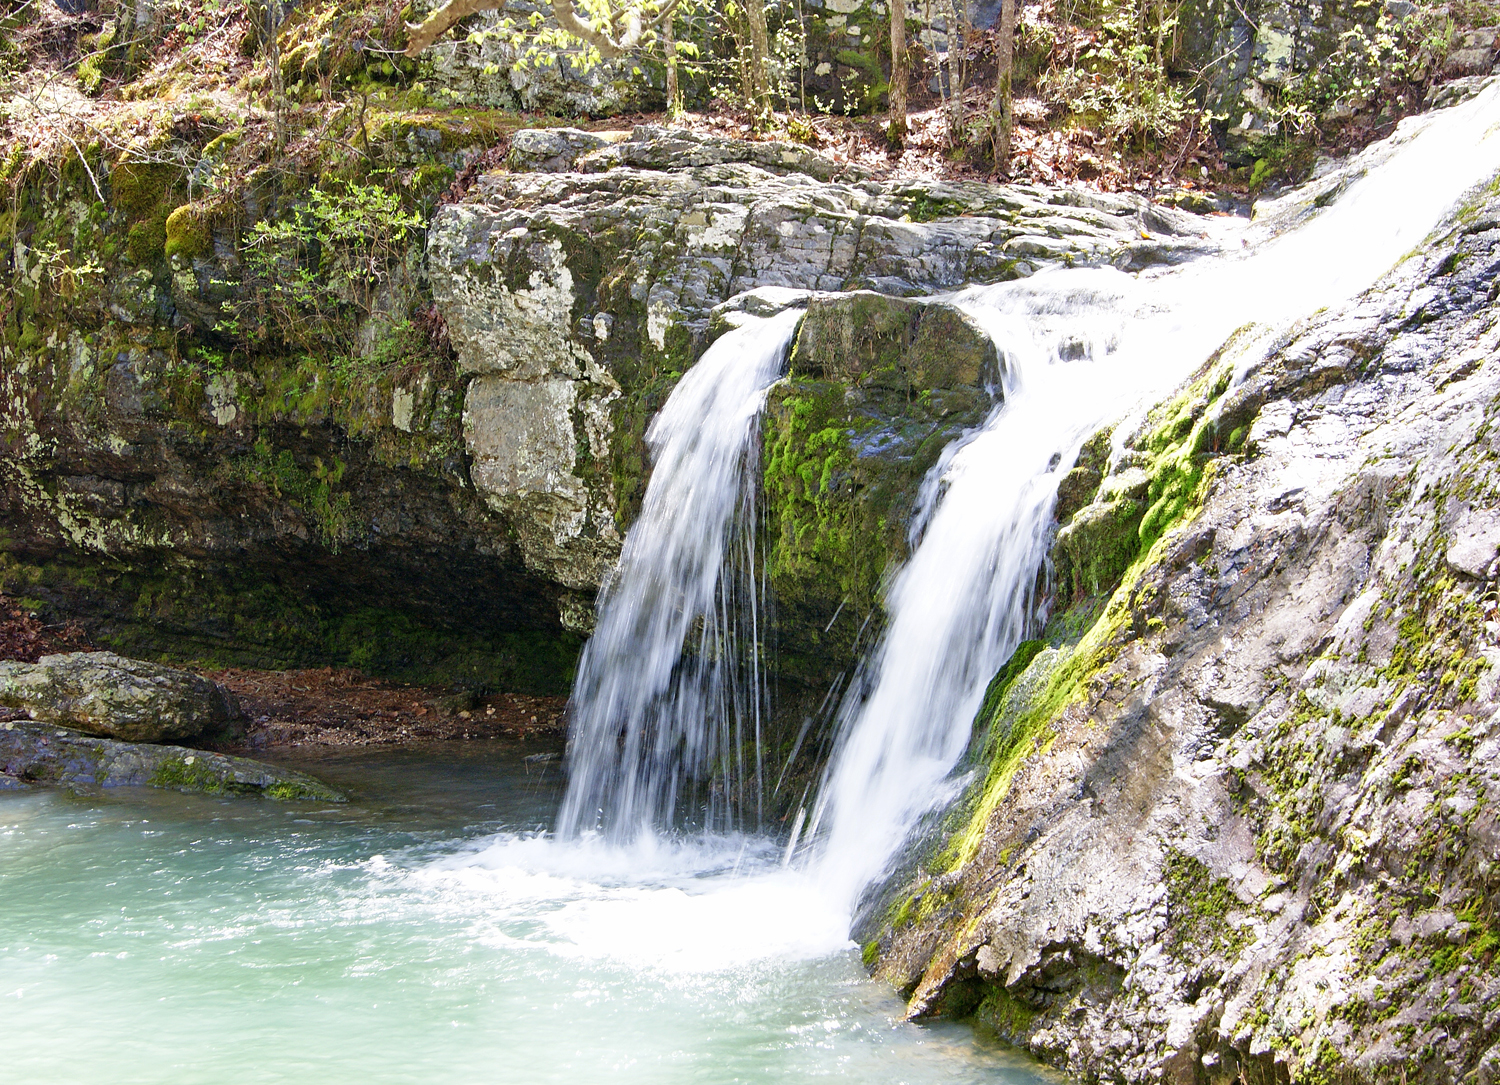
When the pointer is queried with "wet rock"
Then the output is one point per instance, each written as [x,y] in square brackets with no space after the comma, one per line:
[35,753]
[868,338]
[1240,838]
[104,694]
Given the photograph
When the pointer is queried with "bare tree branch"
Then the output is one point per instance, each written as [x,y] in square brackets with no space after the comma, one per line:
[442,20]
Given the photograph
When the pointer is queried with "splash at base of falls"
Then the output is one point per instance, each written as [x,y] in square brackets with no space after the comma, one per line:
[420,933]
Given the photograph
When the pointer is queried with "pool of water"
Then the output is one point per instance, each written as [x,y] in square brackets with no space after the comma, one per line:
[426,932]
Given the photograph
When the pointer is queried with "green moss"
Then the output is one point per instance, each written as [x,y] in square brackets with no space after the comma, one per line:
[1005,678]
[1174,490]
[314,488]
[301,788]
[90,75]
[1005,1013]
[138,189]
[924,207]
[1198,906]
[192,773]
[827,537]
[146,242]
[187,233]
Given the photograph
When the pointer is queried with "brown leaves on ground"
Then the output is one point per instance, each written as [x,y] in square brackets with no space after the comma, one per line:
[327,706]
[24,637]
[341,707]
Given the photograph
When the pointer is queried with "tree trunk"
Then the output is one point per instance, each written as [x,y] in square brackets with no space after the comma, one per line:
[1004,62]
[674,93]
[760,49]
[958,71]
[895,131]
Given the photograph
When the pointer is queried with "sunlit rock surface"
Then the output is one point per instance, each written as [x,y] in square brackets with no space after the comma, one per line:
[594,289]
[1246,829]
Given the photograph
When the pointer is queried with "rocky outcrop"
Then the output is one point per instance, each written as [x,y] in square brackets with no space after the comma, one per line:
[576,298]
[1269,67]
[393,511]
[33,753]
[876,388]
[1245,829]
[103,694]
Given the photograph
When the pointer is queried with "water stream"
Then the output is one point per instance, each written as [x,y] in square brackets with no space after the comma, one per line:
[669,692]
[427,932]
[1082,348]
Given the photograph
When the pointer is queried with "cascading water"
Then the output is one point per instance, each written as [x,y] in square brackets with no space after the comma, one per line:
[668,705]
[1082,348]
[668,699]
[965,599]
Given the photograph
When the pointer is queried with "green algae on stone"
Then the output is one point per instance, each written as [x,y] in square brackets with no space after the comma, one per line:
[47,754]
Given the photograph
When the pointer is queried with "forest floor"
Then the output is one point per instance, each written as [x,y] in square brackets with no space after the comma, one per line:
[326,706]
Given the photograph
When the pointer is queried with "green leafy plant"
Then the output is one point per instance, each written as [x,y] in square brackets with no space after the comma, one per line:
[1120,79]
[311,277]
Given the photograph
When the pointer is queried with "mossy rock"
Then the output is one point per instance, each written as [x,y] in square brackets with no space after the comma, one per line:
[907,344]
[138,189]
[46,754]
[188,233]
[1098,545]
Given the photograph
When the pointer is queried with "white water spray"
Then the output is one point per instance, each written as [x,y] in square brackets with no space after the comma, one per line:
[668,698]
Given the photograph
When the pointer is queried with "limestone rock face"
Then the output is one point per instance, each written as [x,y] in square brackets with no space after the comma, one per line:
[104,694]
[1253,835]
[576,299]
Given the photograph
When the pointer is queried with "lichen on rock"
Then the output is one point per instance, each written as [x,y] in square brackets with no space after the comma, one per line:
[1246,831]
[105,694]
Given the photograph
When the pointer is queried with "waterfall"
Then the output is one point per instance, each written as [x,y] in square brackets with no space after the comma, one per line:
[669,702]
[668,705]
[1082,349]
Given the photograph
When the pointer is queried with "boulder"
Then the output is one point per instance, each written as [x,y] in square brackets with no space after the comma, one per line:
[105,694]
[552,150]
[35,753]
